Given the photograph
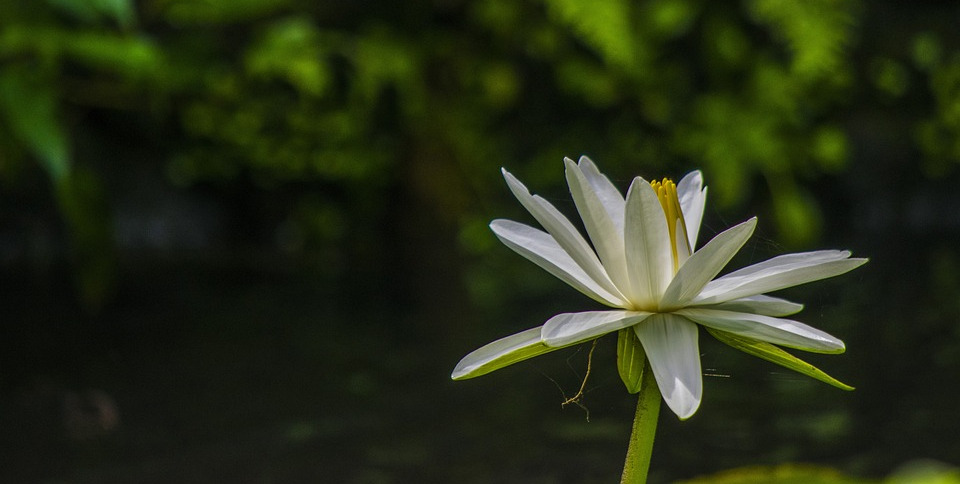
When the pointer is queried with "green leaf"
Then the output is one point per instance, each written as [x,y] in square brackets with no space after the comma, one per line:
[604,25]
[30,108]
[816,32]
[776,355]
[797,215]
[290,49]
[121,11]
[782,474]
[630,359]
[133,57]
[217,12]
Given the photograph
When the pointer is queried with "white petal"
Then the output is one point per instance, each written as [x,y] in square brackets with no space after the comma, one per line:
[693,199]
[759,304]
[544,251]
[563,232]
[500,353]
[649,256]
[705,264]
[800,257]
[778,273]
[609,196]
[671,343]
[784,332]
[603,231]
[570,328]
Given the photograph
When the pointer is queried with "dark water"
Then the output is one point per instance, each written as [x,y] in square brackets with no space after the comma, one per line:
[264,371]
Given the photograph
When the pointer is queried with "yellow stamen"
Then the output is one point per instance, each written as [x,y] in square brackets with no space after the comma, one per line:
[666,191]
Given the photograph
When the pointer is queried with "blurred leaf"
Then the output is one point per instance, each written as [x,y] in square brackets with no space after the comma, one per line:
[290,49]
[939,136]
[89,11]
[212,12]
[80,197]
[776,355]
[130,55]
[889,76]
[796,214]
[133,57]
[924,472]
[830,148]
[500,84]
[500,15]
[603,25]
[725,42]
[784,474]
[669,18]
[589,81]
[816,31]
[384,61]
[29,105]
[927,50]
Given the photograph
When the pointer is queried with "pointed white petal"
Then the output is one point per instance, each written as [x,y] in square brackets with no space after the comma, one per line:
[570,328]
[672,346]
[705,264]
[609,196]
[784,332]
[778,273]
[603,231]
[649,256]
[544,251]
[759,304]
[566,235]
[789,261]
[693,199]
[500,353]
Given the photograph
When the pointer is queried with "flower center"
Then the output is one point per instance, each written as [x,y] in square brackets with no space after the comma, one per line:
[666,191]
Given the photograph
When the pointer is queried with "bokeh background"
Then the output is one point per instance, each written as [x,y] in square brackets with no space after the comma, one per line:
[246,241]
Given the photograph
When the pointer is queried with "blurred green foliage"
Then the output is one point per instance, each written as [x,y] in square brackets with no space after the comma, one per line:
[434,97]
[290,91]
[912,473]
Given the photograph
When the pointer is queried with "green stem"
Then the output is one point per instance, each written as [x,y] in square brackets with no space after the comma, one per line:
[637,464]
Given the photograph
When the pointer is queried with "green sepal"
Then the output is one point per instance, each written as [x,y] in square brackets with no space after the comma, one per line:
[776,355]
[29,102]
[630,359]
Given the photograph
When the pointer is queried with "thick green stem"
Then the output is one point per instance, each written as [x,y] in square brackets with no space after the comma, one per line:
[637,464]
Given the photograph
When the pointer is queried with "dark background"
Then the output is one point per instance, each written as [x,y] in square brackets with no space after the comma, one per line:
[245,241]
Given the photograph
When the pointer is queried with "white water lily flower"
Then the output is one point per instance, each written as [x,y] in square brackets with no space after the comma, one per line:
[642,264]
